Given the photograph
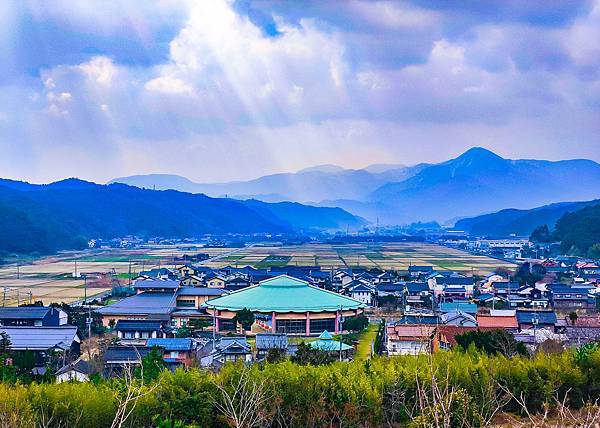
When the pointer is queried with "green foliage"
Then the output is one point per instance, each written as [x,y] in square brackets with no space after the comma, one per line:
[245,318]
[357,323]
[594,252]
[275,355]
[380,392]
[308,355]
[492,342]
[541,234]
[579,231]
[152,365]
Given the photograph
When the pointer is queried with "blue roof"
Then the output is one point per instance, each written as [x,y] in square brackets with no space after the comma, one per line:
[200,291]
[469,308]
[419,319]
[485,296]
[152,283]
[173,344]
[25,312]
[417,287]
[416,268]
[138,325]
[543,317]
[454,280]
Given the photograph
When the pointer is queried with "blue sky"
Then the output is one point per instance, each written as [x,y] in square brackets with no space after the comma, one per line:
[220,90]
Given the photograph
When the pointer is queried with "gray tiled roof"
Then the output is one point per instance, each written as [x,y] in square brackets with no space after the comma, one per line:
[142,303]
[41,338]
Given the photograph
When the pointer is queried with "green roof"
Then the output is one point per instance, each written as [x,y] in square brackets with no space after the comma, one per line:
[325,342]
[284,294]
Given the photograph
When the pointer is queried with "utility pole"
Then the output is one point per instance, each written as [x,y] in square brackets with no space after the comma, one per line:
[341,323]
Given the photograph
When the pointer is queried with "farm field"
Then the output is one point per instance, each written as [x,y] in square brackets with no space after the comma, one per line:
[391,256]
[56,278]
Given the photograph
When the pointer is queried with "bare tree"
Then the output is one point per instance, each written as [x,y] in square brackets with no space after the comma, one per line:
[242,401]
[127,398]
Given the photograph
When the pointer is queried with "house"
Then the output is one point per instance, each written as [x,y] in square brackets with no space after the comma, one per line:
[504,287]
[186,271]
[192,281]
[30,316]
[215,281]
[237,282]
[177,352]
[466,307]
[569,298]
[417,271]
[156,285]
[360,291]
[267,341]
[538,319]
[118,359]
[137,331]
[189,304]
[453,286]
[584,329]
[458,318]
[228,349]
[414,339]
[145,305]
[78,370]
[498,319]
[334,348]
[420,317]
[45,342]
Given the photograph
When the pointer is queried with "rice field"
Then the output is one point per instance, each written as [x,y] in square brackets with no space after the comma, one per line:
[56,279]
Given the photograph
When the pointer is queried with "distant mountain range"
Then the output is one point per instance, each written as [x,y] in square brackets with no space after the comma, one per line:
[316,184]
[67,213]
[519,222]
[476,182]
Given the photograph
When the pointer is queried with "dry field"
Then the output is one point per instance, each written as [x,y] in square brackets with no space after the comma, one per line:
[51,279]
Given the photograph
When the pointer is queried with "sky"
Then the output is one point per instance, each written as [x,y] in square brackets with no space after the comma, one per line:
[217,90]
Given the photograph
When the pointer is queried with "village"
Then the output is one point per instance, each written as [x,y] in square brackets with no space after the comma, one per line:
[193,315]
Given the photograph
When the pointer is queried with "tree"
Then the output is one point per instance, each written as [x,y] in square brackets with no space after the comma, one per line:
[275,355]
[245,318]
[4,342]
[199,324]
[357,323]
[152,365]
[594,252]
[492,342]
[307,355]
[573,317]
[541,234]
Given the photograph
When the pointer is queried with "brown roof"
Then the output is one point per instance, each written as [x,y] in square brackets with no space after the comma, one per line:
[410,331]
[495,321]
[448,333]
[585,321]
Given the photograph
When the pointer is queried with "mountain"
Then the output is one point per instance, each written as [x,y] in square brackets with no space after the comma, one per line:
[320,183]
[578,231]
[519,222]
[476,182]
[66,214]
[479,181]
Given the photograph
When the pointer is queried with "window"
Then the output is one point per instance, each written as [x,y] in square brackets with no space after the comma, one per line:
[291,326]
[319,326]
[186,303]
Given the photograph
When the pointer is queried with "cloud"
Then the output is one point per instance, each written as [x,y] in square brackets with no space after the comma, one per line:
[267,86]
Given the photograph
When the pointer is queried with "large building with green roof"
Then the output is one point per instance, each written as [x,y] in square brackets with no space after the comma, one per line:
[285,304]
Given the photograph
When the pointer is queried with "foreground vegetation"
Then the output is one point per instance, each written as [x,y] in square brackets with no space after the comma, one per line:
[449,389]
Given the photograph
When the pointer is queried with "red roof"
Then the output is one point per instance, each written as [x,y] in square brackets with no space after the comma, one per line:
[495,321]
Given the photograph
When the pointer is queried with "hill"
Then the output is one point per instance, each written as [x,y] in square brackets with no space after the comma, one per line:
[320,183]
[578,231]
[66,214]
[479,180]
[519,222]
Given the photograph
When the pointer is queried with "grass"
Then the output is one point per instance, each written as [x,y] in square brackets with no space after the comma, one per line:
[365,338]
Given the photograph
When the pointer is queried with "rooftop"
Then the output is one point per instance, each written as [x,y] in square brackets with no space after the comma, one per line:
[326,343]
[142,303]
[284,294]
[24,312]
[172,344]
[41,338]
